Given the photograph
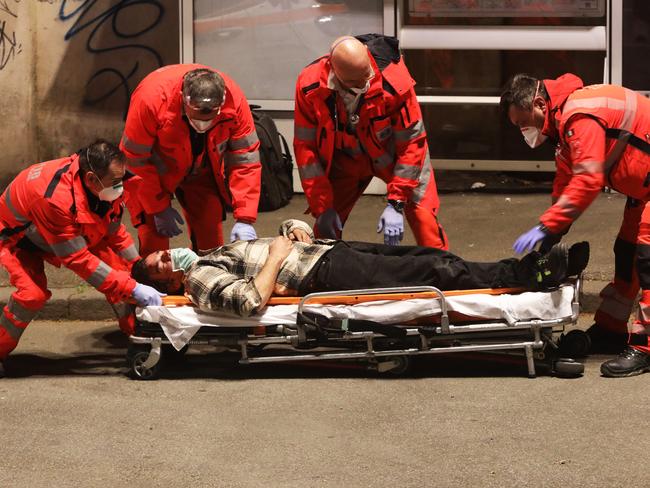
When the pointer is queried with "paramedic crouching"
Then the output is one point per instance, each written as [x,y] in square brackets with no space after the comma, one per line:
[241,277]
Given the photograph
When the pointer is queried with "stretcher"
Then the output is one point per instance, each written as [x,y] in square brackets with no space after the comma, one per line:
[385,328]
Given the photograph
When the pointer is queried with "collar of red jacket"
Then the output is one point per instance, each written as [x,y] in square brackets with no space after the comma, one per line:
[558,91]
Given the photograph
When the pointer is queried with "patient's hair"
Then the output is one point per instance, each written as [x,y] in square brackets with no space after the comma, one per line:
[140,274]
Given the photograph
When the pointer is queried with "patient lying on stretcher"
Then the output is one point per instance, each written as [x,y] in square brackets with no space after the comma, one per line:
[240,277]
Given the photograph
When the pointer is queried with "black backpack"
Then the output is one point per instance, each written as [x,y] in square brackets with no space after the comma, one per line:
[277,163]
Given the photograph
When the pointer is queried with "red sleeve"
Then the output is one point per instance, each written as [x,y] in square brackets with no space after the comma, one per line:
[316,185]
[243,165]
[410,148]
[59,231]
[137,143]
[585,141]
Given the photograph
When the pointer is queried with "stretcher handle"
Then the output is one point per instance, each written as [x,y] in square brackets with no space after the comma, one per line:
[181,300]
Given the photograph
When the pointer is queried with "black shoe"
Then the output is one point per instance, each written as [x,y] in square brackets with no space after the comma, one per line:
[2,370]
[578,258]
[552,267]
[606,342]
[628,363]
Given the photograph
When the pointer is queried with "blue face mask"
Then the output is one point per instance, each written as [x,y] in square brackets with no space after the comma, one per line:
[182,258]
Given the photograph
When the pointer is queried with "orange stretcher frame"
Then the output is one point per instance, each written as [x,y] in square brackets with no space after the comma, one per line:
[181,300]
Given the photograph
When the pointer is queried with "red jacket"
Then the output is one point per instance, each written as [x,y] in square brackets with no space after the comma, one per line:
[46,207]
[156,141]
[588,123]
[390,126]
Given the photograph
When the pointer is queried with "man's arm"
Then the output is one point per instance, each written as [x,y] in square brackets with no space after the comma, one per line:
[243,165]
[213,287]
[586,141]
[410,148]
[137,143]
[317,187]
[265,281]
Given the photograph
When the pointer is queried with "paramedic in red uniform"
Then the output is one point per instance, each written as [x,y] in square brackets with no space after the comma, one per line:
[189,130]
[603,138]
[357,116]
[67,212]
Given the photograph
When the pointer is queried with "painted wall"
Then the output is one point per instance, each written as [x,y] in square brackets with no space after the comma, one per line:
[68,67]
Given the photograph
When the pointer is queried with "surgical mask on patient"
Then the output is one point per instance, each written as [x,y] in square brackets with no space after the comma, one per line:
[182,258]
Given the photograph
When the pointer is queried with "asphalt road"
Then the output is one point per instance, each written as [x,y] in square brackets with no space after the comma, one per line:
[69,417]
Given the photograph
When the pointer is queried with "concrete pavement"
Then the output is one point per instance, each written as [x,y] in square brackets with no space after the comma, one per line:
[480,227]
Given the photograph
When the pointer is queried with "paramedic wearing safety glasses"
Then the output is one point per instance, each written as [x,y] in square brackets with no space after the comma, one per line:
[602,134]
[68,212]
[189,129]
[357,116]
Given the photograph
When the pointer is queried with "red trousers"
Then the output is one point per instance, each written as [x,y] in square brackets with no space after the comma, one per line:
[350,177]
[202,209]
[631,273]
[27,274]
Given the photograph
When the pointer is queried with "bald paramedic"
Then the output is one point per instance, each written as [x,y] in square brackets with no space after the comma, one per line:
[602,137]
[67,212]
[189,134]
[357,116]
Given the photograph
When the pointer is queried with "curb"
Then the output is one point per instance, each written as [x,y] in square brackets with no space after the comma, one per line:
[83,303]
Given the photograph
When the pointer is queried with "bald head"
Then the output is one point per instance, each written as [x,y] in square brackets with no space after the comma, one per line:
[350,61]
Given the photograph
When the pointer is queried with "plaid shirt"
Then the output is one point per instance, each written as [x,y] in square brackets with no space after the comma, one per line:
[223,279]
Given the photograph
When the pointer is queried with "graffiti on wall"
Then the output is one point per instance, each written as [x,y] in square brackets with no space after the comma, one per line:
[89,19]
[9,46]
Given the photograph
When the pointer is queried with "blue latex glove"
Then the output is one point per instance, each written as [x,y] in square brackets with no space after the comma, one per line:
[242,231]
[329,224]
[392,223]
[528,240]
[146,295]
[166,220]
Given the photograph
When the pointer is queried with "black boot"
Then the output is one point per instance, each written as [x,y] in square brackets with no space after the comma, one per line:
[628,363]
[578,258]
[552,266]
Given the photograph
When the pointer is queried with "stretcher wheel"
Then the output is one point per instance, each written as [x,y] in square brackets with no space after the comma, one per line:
[567,368]
[394,365]
[575,344]
[136,358]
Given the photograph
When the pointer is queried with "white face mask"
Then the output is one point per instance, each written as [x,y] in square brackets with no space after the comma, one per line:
[111,193]
[359,91]
[533,136]
[201,126]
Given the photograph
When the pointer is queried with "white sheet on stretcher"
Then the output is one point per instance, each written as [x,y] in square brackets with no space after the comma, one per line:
[181,323]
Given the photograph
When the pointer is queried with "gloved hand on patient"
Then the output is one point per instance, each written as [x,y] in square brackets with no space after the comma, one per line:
[242,231]
[166,222]
[146,295]
[528,240]
[329,224]
[392,223]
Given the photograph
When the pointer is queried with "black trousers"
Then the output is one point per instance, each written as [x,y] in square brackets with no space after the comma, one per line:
[350,265]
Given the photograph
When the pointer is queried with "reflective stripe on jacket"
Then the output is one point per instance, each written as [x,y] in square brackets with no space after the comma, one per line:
[47,204]
[157,143]
[390,127]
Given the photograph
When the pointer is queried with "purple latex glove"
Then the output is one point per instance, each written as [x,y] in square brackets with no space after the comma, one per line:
[329,224]
[528,240]
[242,231]
[146,295]
[392,223]
[166,220]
